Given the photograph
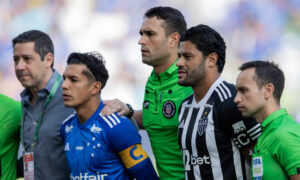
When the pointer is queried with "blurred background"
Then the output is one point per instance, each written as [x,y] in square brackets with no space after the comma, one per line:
[253,30]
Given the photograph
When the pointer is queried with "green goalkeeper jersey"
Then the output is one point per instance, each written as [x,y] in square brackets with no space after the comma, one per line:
[277,152]
[10,115]
[163,97]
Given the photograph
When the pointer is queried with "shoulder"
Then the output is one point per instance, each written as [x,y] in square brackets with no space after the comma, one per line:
[224,91]
[188,100]
[68,120]
[113,120]
[7,102]
[288,130]
[117,125]
[120,132]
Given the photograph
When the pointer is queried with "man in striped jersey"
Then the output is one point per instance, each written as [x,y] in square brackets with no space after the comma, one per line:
[98,147]
[212,133]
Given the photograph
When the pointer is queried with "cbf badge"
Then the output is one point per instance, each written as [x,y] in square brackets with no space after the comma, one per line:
[169,109]
[257,168]
[28,166]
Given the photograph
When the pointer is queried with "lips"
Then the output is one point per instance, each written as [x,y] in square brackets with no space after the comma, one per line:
[66,97]
[145,51]
[181,72]
[241,108]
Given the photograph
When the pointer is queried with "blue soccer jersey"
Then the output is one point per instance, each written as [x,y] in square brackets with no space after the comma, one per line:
[105,147]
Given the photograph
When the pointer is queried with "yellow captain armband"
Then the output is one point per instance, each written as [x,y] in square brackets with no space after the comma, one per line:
[133,155]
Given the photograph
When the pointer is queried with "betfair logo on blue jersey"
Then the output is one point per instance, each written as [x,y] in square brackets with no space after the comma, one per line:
[133,156]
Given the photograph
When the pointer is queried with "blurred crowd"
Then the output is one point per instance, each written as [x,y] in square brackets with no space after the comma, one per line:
[253,30]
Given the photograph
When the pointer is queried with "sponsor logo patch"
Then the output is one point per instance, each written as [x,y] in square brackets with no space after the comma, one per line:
[68,128]
[67,148]
[169,109]
[257,168]
[95,129]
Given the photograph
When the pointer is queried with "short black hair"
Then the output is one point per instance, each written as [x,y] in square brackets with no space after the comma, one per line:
[42,42]
[94,62]
[207,40]
[174,20]
[267,72]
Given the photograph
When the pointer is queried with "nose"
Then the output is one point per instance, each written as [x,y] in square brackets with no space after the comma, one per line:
[179,62]
[237,98]
[141,40]
[64,85]
[20,65]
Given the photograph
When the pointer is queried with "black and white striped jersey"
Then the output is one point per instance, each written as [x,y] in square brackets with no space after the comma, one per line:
[212,134]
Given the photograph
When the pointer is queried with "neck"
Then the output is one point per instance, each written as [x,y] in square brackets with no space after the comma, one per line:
[268,109]
[165,63]
[41,85]
[202,87]
[86,110]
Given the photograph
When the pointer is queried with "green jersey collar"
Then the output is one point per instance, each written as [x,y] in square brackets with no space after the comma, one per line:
[273,116]
[167,73]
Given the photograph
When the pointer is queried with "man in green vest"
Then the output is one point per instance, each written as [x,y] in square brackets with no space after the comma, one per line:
[10,115]
[277,152]
[160,34]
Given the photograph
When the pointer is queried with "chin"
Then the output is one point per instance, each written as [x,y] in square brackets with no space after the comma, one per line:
[183,83]
[68,104]
[26,85]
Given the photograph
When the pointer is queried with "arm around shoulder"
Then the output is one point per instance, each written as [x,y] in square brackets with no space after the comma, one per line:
[138,117]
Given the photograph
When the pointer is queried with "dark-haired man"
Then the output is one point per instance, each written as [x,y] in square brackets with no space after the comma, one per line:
[211,132]
[160,34]
[98,147]
[42,107]
[277,152]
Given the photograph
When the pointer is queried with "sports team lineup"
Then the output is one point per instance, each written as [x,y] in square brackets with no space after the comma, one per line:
[200,125]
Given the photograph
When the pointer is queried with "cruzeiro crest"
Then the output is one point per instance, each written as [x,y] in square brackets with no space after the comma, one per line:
[203,121]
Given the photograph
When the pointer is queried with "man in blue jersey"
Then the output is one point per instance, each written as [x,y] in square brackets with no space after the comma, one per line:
[98,147]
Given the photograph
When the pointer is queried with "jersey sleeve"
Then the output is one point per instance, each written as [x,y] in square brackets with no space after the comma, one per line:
[125,140]
[137,162]
[287,148]
[243,131]
[120,132]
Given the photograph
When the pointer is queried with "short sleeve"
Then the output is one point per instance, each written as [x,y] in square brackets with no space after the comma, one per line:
[287,150]
[120,132]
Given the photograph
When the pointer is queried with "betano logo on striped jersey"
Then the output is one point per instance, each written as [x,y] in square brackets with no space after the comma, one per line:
[194,160]
[86,176]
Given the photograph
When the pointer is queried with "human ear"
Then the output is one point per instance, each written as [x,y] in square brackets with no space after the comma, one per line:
[268,90]
[96,88]
[48,59]
[174,39]
[212,59]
